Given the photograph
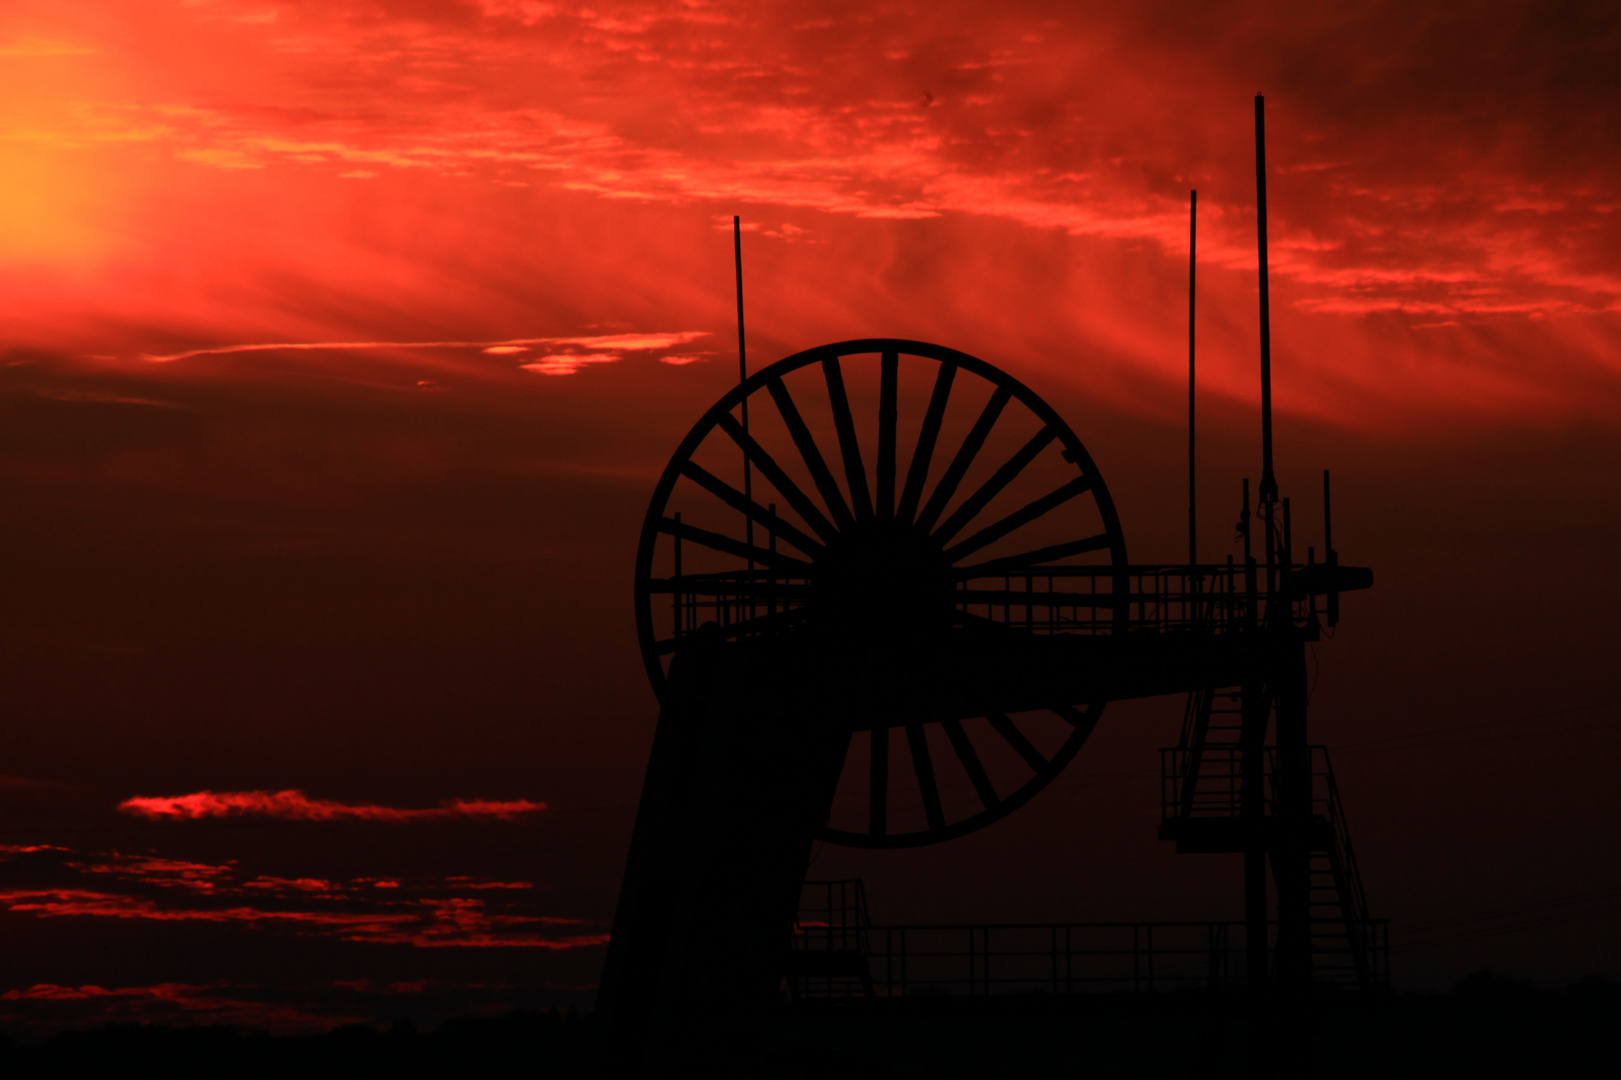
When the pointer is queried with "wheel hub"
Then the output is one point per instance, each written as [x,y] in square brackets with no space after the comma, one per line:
[880,581]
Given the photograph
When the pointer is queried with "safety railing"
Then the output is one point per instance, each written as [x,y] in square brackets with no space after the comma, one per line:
[1012,958]
[839,954]
[1060,959]
[1206,599]
[1063,958]
[738,602]
[1214,599]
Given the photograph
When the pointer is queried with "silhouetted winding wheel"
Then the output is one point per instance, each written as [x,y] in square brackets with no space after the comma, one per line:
[903,503]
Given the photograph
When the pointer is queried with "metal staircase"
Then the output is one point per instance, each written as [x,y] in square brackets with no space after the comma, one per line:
[1203,799]
[1349,948]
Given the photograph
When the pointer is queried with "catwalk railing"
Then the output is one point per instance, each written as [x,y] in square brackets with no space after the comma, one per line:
[862,959]
[1029,958]
[1208,599]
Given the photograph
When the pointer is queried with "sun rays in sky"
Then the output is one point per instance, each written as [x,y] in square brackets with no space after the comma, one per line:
[204,176]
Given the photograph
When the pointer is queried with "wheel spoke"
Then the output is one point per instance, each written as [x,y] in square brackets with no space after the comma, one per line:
[917,473]
[1020,518]
[717,542]
[811,455]
[855,472]
[997,567]
[1082,722]
[918,742]
[802,504]
[1015,738]
[965,457]
[889,377]
[970,763]
[878,783]
[739,501]
[993,487]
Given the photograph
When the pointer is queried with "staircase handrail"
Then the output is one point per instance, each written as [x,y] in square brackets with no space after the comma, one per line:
[1365,932]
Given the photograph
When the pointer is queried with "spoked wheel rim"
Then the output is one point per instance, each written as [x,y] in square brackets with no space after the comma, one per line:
[876,542]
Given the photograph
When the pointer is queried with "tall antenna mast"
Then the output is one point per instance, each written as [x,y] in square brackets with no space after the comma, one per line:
[743,371]
[1193,504]
[1269,483]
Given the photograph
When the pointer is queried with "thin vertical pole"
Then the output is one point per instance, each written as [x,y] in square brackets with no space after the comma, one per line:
[1328,517]
[771,544]
[1269,484]
[1193,505]
[676,590]
[742,352]
[1244,524]
[742,377]
[1330,556]
[1267,497]
[1288,540]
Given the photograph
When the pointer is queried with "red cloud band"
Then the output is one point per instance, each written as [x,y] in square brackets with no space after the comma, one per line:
[294,805]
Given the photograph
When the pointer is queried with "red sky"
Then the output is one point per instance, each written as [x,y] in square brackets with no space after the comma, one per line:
[344,341]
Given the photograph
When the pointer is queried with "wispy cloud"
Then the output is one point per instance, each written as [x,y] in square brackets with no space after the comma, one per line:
[1044,161]
[42,47]
[186,1003]
[834,130]
[421,912]
[567,363]
[623,342]
[294,805]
